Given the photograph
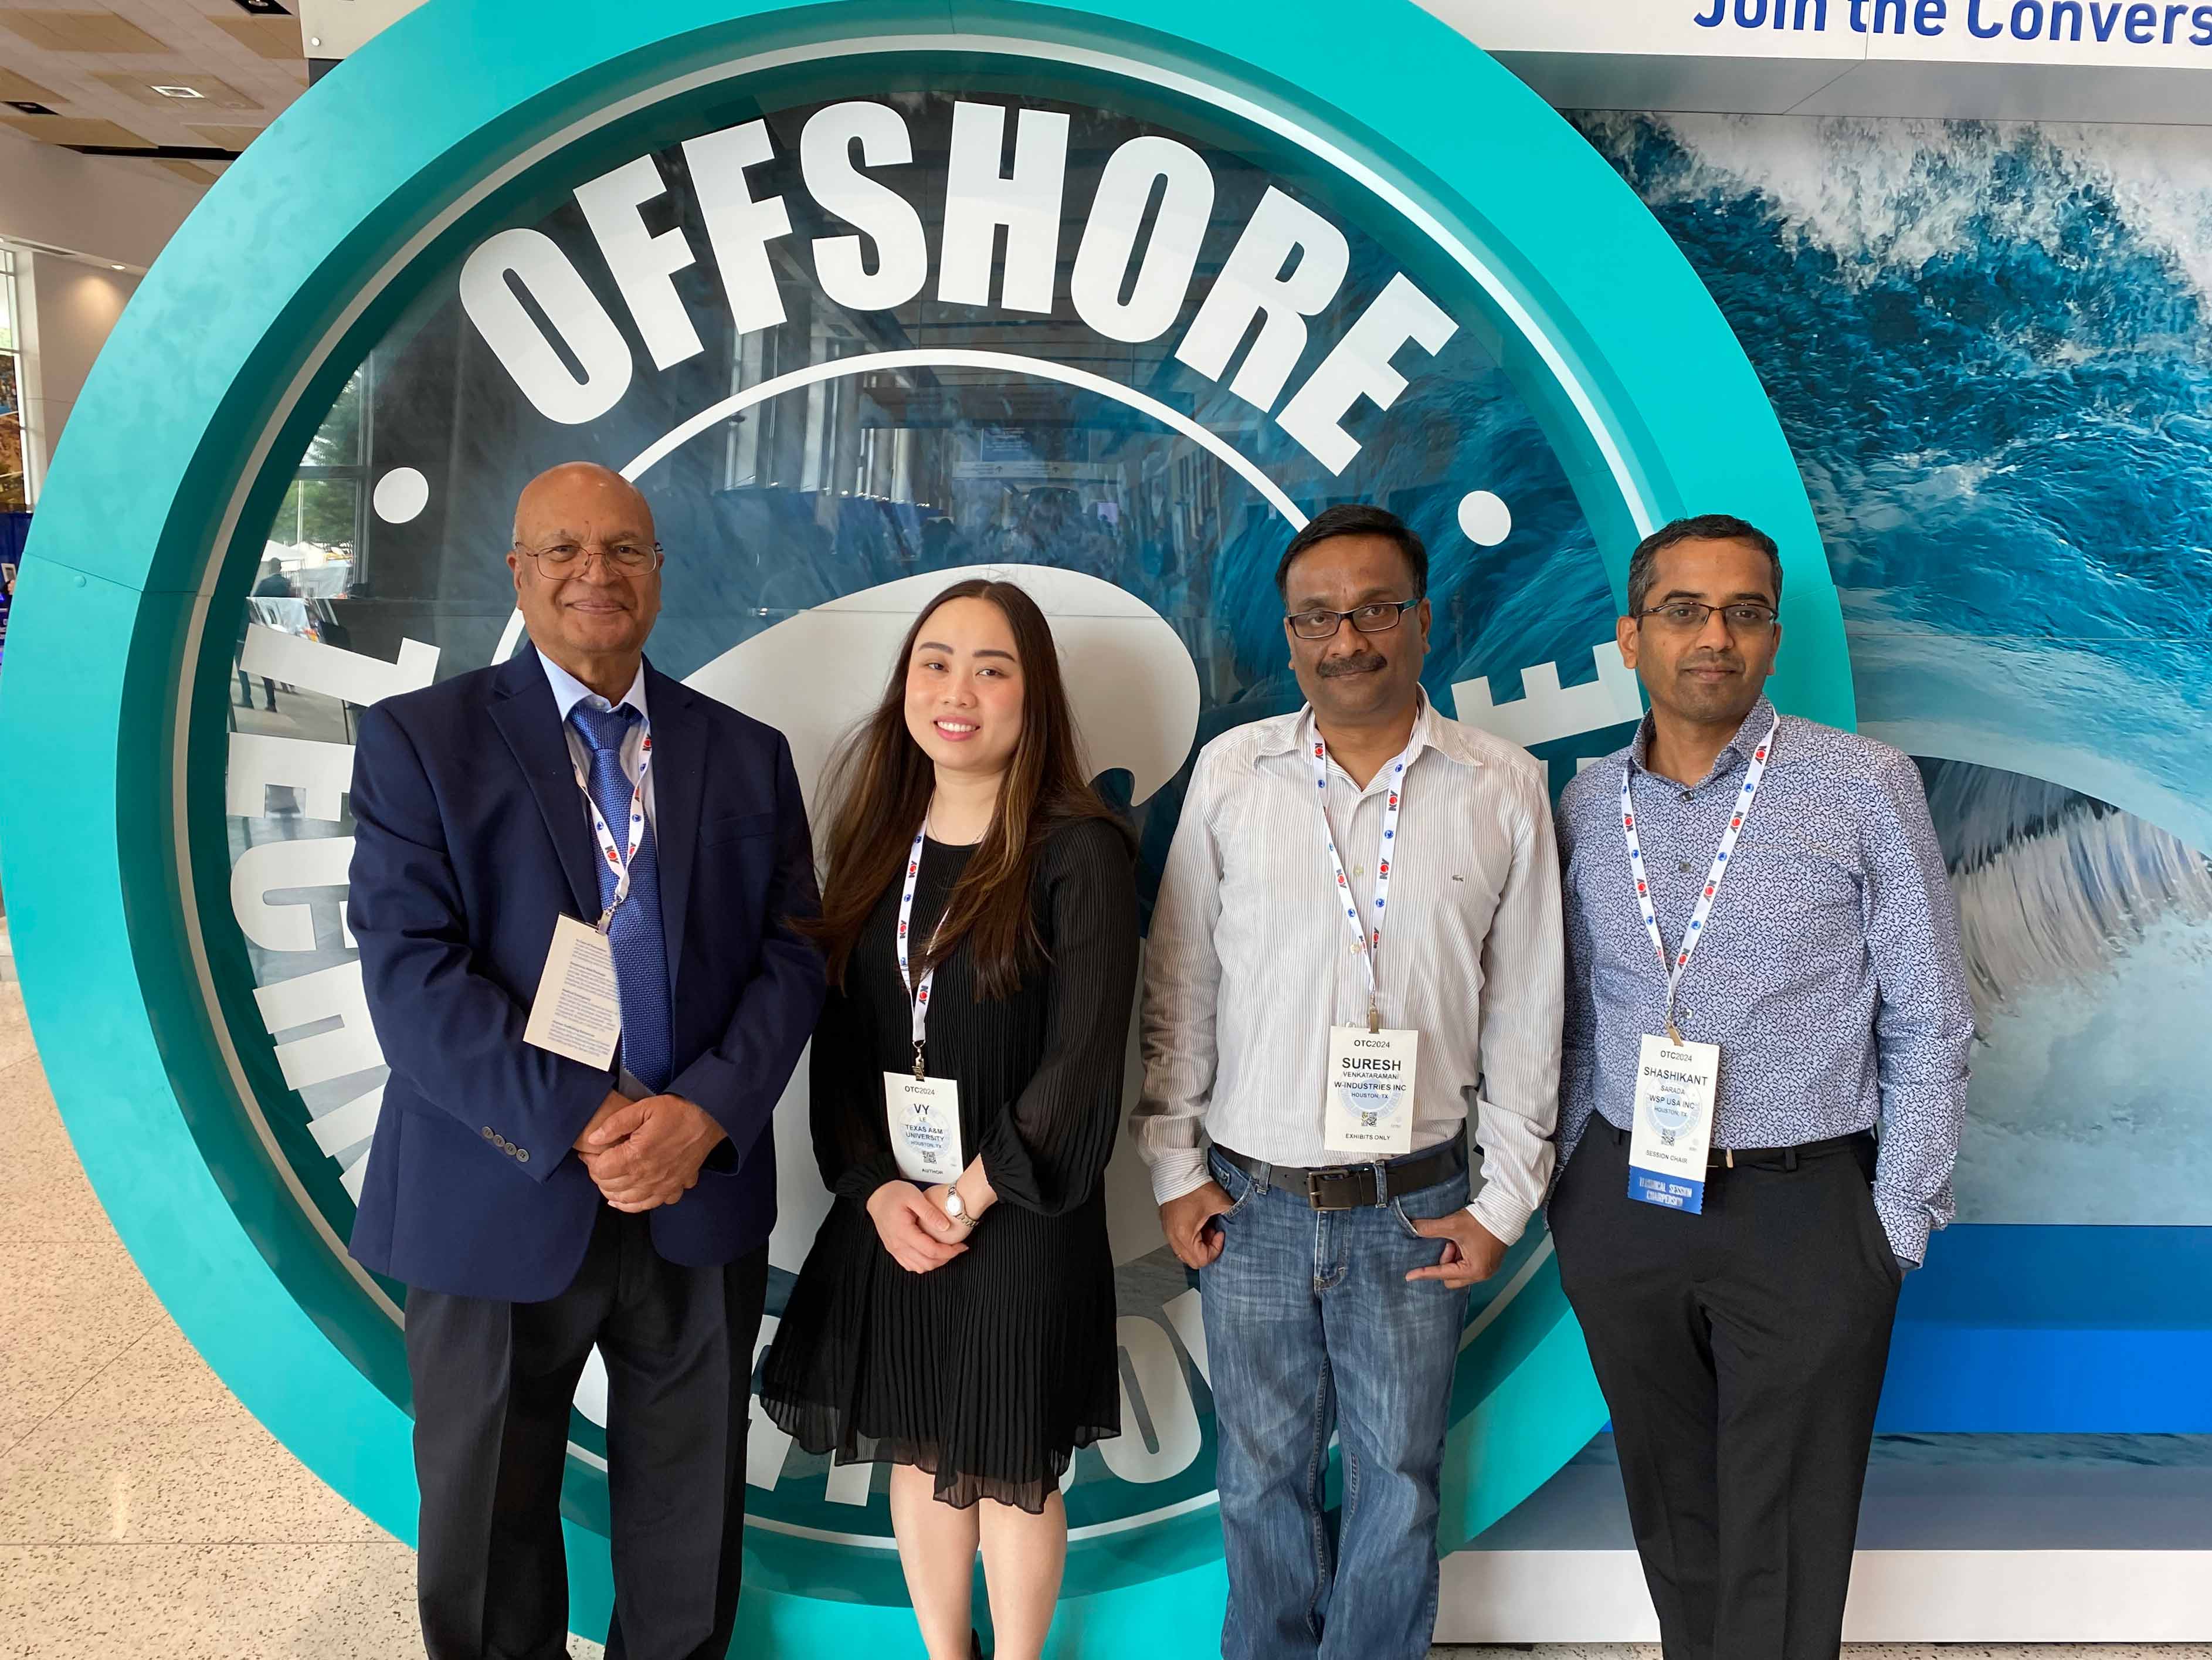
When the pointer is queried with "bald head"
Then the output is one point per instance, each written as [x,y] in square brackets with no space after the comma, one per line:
[576,489]
[587,572]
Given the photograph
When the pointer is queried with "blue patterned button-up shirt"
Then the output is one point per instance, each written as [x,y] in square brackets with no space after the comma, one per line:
[1829,973]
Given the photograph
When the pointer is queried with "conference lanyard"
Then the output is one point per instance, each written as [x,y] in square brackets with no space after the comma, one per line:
[918,996]
[618,858]
[1754,775]
[1369,941]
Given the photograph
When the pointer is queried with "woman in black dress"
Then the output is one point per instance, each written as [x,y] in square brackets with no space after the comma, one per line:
[958,1320]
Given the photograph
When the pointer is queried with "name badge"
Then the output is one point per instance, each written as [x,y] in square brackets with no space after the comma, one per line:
[577,1010]
[1369,1110]
[1675,1083]
[923,1116]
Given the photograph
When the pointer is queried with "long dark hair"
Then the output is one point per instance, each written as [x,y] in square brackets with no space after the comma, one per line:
[879,788]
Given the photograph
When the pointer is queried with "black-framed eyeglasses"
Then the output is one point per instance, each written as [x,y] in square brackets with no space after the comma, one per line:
[569,558]
[1689,615]
[1379,617]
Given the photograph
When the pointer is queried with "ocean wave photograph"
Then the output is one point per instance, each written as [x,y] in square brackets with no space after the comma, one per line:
[2088,934]
[1991,346]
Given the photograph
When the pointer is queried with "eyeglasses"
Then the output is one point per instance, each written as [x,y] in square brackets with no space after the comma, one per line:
[1378,618]
[1689,615]
[569,558]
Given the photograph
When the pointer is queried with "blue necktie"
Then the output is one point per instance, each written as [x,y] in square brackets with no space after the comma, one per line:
[639,952]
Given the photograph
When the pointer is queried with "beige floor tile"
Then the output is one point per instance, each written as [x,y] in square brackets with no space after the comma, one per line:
[71,1310]
[208,1603]
[14,1027]
[45,1196]
[156,1450]
[354,1601]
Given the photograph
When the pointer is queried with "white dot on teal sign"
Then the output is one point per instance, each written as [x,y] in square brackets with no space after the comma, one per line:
[400,494]
[1484,518]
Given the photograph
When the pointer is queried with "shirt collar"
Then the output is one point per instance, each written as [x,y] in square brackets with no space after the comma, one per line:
[568,691]
[1733,752]
[1431,731]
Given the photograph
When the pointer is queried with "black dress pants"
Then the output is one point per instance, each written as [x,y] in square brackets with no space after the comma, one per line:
[1741,1354]
[493,1384]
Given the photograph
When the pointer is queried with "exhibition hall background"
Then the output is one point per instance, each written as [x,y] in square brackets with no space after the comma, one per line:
[1988,346]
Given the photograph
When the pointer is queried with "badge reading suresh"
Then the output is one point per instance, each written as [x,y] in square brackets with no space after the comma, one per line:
[1370,1092]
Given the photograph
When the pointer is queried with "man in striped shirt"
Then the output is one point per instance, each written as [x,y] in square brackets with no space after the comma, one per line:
[1312,1057]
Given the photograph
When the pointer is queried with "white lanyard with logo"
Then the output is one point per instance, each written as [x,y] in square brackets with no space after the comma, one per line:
[1678,1082]
[1369,1105]
[619,859]
[922,1113]
[577,1012]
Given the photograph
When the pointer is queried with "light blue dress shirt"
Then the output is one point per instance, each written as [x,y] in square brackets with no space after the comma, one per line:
[1829,972]
[568,692]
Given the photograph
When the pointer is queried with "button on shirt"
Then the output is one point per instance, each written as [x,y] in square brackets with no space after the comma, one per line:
[1251,961]
[1829,972]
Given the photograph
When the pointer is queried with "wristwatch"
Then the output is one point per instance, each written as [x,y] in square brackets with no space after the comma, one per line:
[957,1208]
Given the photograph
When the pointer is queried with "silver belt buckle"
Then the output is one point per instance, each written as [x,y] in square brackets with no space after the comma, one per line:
[1315,1177]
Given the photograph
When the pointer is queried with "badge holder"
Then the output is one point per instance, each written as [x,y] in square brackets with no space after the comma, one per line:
[577,1013]
[1370,1110]
[1676,1088]
[923,1114]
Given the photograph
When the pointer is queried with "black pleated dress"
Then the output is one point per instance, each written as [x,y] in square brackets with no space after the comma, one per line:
[991,1370]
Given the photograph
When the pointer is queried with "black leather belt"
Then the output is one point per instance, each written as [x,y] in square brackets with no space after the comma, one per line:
[1772,1158]
[1355,1187]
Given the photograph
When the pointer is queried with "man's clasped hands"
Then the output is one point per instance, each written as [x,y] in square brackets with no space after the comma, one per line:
[647,1153]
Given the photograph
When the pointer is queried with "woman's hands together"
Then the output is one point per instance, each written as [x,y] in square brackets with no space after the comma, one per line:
[913,1227]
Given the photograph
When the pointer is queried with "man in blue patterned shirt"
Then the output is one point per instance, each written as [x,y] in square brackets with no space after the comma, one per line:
[1741,1346]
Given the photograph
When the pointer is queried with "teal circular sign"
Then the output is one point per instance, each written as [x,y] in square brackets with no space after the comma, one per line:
[1111,298]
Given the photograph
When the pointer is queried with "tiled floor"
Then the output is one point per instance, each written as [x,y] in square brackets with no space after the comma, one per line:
[144,1513]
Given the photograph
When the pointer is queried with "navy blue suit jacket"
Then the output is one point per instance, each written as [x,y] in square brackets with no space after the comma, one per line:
[471,838]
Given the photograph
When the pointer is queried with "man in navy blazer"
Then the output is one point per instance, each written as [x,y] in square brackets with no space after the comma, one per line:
[536,1205]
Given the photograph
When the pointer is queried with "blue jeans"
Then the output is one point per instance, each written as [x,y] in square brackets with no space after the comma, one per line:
[1311,1327]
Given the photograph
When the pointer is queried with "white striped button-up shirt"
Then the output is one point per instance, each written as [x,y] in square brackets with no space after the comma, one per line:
[1251,959]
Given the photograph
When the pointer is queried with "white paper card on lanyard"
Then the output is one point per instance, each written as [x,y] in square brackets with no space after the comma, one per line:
[1677,1083]
[921,1113]
[577,1013]
[1367,1105]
